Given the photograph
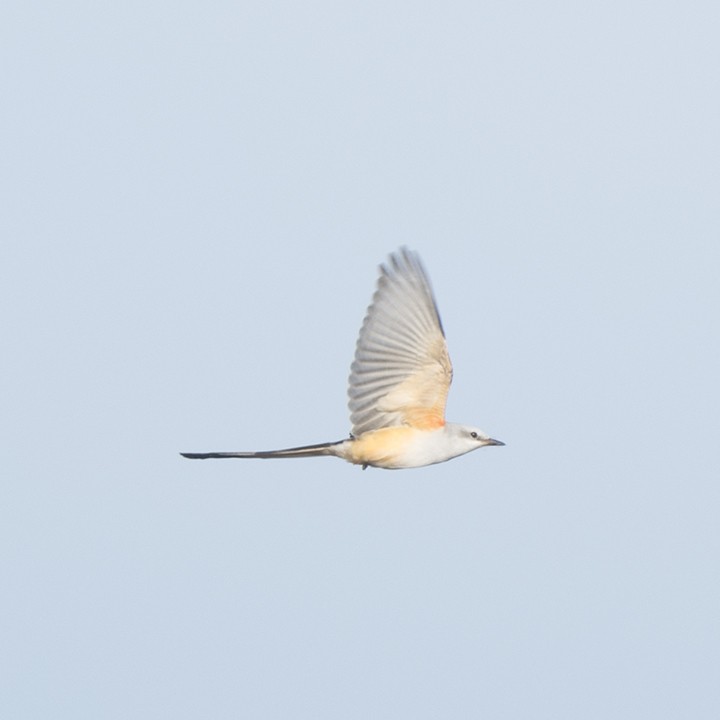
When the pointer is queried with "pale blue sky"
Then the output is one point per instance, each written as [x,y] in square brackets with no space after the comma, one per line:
[196,197]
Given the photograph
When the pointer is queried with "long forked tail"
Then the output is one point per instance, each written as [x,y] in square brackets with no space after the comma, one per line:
[304,451]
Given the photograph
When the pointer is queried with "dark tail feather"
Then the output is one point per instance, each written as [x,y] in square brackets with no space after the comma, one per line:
[304,451]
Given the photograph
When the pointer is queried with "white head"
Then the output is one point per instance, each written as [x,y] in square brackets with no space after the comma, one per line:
[465,438]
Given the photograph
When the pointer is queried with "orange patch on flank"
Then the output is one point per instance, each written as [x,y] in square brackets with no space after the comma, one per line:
[380,446]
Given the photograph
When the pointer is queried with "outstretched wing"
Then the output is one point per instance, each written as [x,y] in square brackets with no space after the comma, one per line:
[402,372]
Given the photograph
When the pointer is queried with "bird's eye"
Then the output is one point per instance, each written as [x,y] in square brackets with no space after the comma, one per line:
[473,434]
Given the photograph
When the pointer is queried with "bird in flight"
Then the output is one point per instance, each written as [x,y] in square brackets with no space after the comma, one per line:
[399,381]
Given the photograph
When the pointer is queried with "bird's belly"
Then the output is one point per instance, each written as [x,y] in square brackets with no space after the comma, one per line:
[394,448]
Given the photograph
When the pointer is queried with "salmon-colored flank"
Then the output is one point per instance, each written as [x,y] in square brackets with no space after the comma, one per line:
[380,447]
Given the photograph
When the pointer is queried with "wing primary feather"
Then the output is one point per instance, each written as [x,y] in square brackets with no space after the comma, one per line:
[401,371]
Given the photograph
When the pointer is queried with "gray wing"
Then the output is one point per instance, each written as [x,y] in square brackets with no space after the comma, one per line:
[402,372]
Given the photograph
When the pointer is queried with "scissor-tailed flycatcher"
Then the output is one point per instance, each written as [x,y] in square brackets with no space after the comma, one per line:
[399,383]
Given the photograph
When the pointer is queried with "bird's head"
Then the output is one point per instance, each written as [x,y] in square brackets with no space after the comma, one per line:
[470,438]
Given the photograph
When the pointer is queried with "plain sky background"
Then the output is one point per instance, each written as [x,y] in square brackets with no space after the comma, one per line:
[195,199]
